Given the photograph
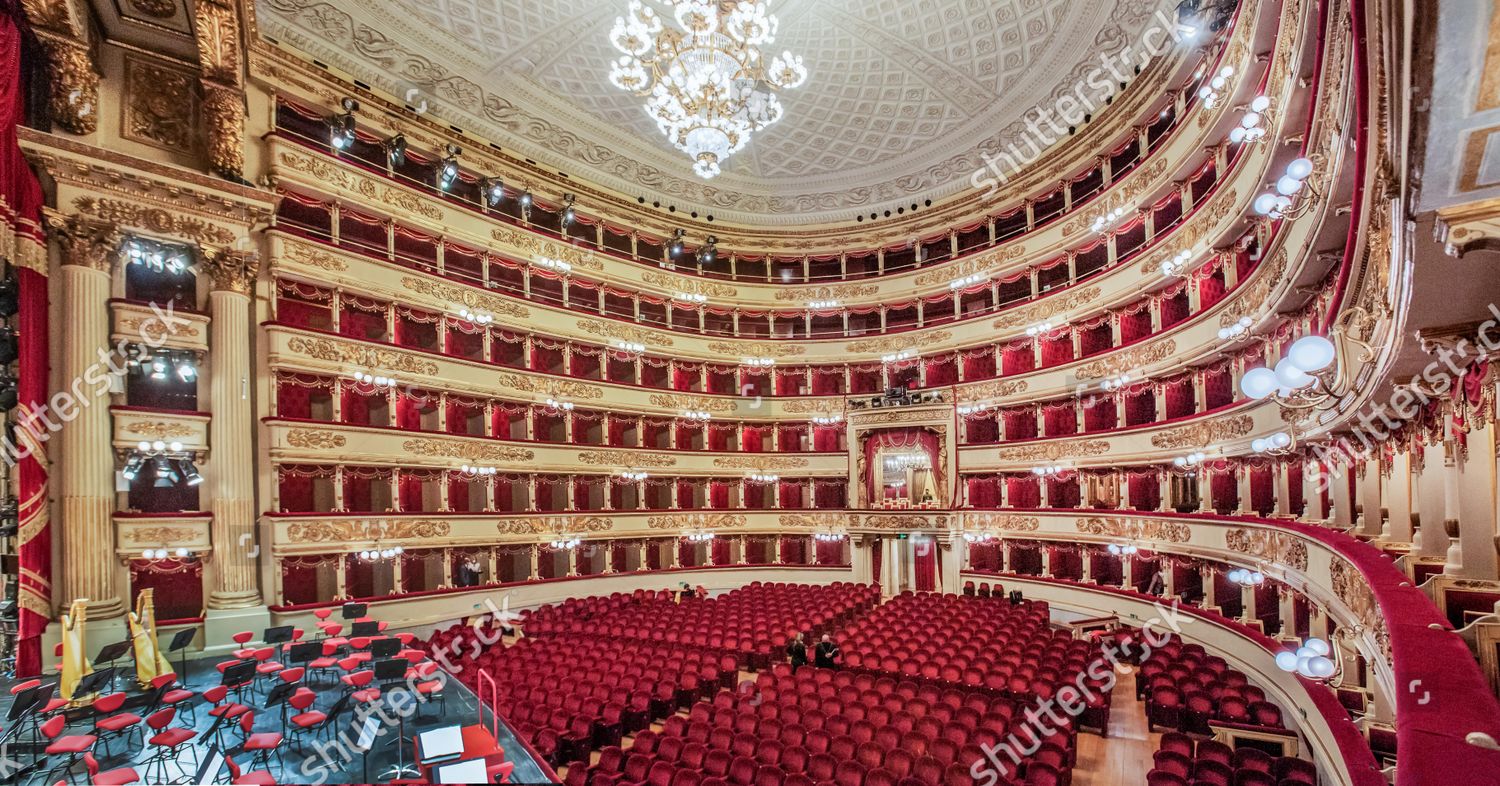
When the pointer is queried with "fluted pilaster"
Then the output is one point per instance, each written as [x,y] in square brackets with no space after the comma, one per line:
[87,466]
[230,471]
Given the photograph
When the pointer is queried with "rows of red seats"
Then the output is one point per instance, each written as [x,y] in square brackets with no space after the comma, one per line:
[1184,761]
[568,694]
[985,644]
[831,727]
[755,622]
[1185,688]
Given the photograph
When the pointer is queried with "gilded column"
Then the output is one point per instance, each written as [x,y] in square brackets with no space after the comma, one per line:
[73,101]
[89,250]
[218,28]
[230,476]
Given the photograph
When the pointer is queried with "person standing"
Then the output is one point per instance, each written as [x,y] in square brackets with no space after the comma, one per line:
[827,654]
[796,652]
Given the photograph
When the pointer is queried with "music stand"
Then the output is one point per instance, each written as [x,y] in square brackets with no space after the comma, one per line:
[180,641]
[353,611]
[239,675]
[111,653]
[391,670]
[368,628]
[21,710]
[385,648]
[278,697]
[278,635]
[304,651]
[213,764]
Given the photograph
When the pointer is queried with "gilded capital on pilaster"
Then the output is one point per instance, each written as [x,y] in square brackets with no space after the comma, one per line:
[234,271]
[74,101]
[87,242]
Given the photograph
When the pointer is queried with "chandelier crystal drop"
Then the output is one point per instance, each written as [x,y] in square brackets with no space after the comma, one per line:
[706,82]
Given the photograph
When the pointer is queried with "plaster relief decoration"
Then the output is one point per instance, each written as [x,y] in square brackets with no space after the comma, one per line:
[538,247]
[349,532]
[940,86]
[314,439]
[1128,360]
[1053,451]
[153,328]
[625,458]
[1136,529]
[832,292]
[829,521]
[688,285]
[758,349]
[686,402]
[465,296]
[1258,292]
[355,355]
[890,344]
[311,256]
[475,452]
[154,220]
[160,106]
[1001,522]
[813,407]
[555,388]
[617,332]
[906,521]
[1274,546]
[995,389]
[1047,308]
[157,429]
[160,536]
[767,463]
[981,264]
[330,174]
[696,521]
[1198,435]
[1351,588]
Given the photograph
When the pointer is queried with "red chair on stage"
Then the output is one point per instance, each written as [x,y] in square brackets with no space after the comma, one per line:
[109,722]
[168,742]
[175,696]
[116,777]
[243,638]
[72,745]
[240,778]
[262,744]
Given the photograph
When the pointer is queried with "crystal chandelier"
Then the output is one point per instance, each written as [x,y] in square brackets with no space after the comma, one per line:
[706,83]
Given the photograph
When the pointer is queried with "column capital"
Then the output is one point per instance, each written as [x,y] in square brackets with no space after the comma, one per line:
[85,242]
[230,270]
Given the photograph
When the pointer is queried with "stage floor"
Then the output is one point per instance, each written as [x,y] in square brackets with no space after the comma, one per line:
[327,758]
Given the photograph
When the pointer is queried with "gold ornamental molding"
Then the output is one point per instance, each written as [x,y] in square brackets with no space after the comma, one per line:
[555,388]
[165,536]
[621,332]
[1128,360]
[1047,308]
[346,354]
[312,256]
[314,439]
[1053,451]
[827,292]
[134,535]
[1254,296]
[805,407]
[557,525]
[363,530]
[1274,546]
[232,271]
[906,521]
[688,521]
[817,520]
[979,263]
[688,285]
[985,391]
[465,296]
[157,430]
[1136,529]
[155,220]
[151,327]
[88,242]
[1468,227]
[609,458]
[1353,590]
[1001,522]
[1198,435]
[466,451]
[682,402]
[765,463]
[896,343]
[541,247]
[758,349]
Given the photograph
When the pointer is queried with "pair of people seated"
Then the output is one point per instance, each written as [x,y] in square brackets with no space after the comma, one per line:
[825,655]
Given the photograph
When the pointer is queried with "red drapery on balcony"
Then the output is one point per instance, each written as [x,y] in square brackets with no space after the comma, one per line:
[984,491]
[924,563]
[830,552]
[985,556]
[904,440]
[1023,492]
[177,587]
[1145,489]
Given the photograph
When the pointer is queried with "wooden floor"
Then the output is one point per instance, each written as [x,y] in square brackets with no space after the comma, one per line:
[1125,757]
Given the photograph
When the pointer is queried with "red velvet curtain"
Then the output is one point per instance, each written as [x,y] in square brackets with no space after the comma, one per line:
[22,244]
[177,587]
[924,563]
[1023,492]
[984,491]
[909,439]
[985,556]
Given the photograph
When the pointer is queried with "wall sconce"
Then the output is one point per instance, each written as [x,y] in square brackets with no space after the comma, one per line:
[695,414]
[1211,92]
[1177,265]
[478,471]
[761,477]
[822,305]
[633,475]
[475,317]
[1277,444]
[1298,179]
[375,380]
[565,543]
[1247,578]
[1296,376]
[1252,127]
[1311,660]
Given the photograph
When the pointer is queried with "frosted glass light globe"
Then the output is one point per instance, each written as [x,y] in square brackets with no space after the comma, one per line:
[1311,353]
[1258,383]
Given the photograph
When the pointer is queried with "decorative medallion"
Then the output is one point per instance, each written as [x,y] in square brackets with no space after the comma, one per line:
[158,429]
[906,521]
[362,530]
[980,263]
[1129,360]
[1003,522]
[686,521]
[156,220]
[539,247]
[1046,308]
[688,284]
[1136,529]
[986,391]
[555,388]
[164,536]
[687,402]
[831,292]
[356,355]
[622,332]
[817,520]
[465,296]
[899,343]
[160,105]
[758,349]
[768,462]
[1053,451]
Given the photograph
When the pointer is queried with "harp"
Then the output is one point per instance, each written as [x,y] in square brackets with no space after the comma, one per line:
[149,662]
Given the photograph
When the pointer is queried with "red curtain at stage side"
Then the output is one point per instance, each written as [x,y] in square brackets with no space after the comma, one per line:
[22,246]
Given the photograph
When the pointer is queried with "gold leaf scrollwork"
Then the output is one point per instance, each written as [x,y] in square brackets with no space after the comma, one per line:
[688,521]
[466,451]
[551,387]
[1128,360]
[1199,435]
[624,458]
[1136,529]
[768,463]
[313,439]
[1001,522]
[158,429]
[1281,548]
[897,343]
[1053,451]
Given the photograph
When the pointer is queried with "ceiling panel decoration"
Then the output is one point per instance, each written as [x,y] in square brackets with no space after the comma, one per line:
[902,95]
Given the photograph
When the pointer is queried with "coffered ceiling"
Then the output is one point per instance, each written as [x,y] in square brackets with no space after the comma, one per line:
[901,98]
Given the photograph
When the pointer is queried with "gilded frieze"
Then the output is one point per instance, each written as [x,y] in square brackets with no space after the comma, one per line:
[1129,360]
[687,402]
[1001,522]
[619,332]
[1054,451]
[694,521]
[1136,529]
[155,220]
[1275,546]
[896,343]
[465,296]
[466,451]
[160,106]
[1047,308]
[315,439]
[761,463]
[358,355]
[610,458]
[1197,435]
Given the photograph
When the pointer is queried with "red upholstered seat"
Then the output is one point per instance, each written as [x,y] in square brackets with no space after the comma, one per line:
[115,777]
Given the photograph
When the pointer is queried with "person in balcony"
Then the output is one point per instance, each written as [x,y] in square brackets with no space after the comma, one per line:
[796,653]
[1158,583]
[827,654]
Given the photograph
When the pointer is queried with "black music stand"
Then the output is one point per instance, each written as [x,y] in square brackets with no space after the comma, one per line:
[304,651]
[353,611]
[213,764]
[278,697]
[111,653]
[94,682]
[385,648]
[367,628]
[21,711]
[180,641]
[278,635]
[239,675]
[390,671]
